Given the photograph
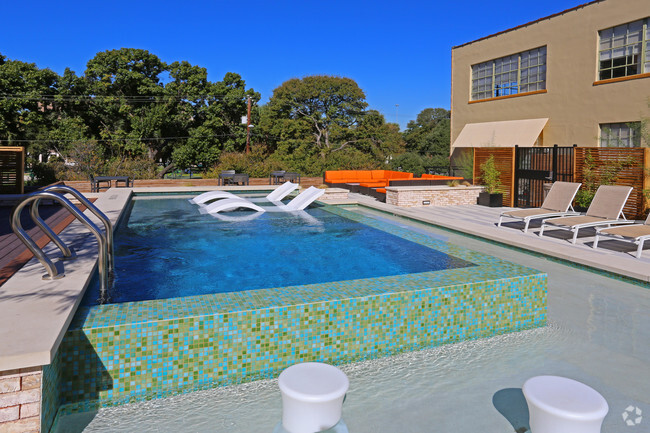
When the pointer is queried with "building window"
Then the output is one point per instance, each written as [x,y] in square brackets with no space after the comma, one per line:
[624,50]
[620,134]
[519,73]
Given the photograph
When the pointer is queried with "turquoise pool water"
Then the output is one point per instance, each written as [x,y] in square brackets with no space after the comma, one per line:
[167,249]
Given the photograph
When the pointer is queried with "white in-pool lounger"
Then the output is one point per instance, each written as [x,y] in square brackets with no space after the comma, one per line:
[605,209]
[557,203]
[274,196]
[634,233]
[300,202]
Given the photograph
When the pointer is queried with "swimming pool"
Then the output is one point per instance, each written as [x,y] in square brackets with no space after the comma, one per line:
[167,249]
[133,351]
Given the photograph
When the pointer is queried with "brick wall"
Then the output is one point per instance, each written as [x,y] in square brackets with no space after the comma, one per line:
[20,397]
[436,195]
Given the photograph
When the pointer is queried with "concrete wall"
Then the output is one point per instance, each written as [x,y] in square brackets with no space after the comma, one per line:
[574,101]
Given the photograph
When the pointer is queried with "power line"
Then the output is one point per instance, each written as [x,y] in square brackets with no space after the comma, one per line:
[135,98]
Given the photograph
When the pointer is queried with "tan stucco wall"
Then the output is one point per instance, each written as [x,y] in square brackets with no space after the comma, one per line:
[574,105]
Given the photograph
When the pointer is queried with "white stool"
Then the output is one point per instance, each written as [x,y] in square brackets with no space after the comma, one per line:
[312,396]
[561,405]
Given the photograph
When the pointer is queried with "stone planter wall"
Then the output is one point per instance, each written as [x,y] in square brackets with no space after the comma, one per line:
[411,196]
[335,194]
[20,400]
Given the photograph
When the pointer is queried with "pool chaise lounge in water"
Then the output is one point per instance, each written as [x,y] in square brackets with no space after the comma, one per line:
[300,202]
[275,196]
[556,204]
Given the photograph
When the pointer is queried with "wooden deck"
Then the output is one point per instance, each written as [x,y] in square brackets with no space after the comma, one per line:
[13,253]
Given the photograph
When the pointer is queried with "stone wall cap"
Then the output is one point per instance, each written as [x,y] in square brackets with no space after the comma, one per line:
[435,188]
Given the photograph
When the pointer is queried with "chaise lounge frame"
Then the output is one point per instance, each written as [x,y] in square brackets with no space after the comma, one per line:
[634,233]
[556,204]
[605,209]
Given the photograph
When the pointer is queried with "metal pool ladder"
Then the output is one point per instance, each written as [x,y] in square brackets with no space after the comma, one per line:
[105,240]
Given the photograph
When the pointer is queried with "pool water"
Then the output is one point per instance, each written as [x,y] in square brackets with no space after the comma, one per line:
[167,249]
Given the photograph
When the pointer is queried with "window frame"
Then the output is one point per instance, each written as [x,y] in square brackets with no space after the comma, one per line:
[633,134]
[643,61]
[504,80]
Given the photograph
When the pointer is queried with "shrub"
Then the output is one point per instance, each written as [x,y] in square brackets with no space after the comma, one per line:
[490,175]
[408,162]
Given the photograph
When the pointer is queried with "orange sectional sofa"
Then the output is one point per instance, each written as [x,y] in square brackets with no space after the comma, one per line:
[369,178]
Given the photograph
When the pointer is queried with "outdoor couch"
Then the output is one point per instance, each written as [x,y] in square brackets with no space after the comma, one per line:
[352,179]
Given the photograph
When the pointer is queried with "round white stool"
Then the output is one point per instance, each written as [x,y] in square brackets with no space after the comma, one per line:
[561,405]
[312,396]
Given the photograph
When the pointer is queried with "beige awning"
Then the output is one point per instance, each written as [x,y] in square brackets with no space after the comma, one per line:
[507,133]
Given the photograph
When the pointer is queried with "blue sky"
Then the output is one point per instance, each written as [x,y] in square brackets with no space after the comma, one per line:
[399,52]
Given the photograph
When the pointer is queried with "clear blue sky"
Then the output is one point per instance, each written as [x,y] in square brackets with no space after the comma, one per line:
[399,52]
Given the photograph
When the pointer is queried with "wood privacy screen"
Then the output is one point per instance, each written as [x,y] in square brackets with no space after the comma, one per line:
[12,170]
[504,158]
[630,165]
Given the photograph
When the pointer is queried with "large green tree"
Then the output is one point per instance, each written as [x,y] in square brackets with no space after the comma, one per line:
[216,122]
[320,111]
[429,135]
[26,97]
[128,105]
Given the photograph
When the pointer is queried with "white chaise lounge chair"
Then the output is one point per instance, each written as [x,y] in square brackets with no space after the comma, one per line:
[228,204]
[300,202]
[274,196]
[605,209]
[557,203]
[634,233]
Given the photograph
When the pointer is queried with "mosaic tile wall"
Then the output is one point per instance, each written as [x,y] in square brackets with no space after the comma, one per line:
[128,352]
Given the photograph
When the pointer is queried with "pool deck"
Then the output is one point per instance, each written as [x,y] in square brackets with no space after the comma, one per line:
[612,256]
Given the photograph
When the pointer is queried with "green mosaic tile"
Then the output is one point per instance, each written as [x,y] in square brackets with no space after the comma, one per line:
[113,354]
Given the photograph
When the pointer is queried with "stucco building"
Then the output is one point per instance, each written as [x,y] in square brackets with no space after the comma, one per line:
[581,76]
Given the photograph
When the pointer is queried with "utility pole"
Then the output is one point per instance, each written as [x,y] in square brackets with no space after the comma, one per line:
[248,127]
[396,116]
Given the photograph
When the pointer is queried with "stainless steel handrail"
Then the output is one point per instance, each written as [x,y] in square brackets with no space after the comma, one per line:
[53,272]
[108,227]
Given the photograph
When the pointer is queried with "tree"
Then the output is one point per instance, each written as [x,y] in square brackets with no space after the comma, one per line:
[216,122]
[327,107]
[26,102]
[380,139]
[429,135]
[129,108]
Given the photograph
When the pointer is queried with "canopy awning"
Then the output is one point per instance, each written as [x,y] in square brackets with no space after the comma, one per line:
[507,133]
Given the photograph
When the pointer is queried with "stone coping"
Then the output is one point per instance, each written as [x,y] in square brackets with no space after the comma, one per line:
[434,188]
[35,313]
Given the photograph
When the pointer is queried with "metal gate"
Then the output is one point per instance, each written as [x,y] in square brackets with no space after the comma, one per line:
[535,166]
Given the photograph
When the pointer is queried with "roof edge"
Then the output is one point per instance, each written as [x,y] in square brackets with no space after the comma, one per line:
[530,23]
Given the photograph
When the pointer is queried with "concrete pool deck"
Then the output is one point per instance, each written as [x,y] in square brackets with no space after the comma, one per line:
[611,256]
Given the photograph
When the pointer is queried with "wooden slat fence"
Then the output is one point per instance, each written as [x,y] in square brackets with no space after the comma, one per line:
[12,170]
[504,158]
[630,164]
